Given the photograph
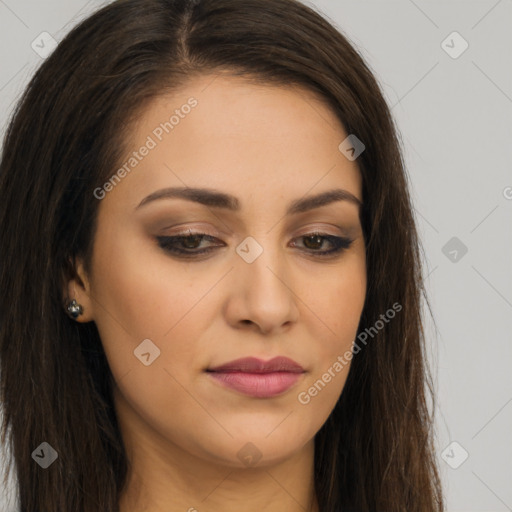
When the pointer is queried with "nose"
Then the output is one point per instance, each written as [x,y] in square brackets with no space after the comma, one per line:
[261,292]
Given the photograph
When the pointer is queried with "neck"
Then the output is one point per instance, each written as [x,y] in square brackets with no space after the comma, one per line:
[223,489]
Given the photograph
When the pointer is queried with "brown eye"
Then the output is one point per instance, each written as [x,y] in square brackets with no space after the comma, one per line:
[190,242]
[186,246]
[314,241]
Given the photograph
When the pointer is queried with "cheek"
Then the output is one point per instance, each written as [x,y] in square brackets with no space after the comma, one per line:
[333,304]
[333,300]
[139,296]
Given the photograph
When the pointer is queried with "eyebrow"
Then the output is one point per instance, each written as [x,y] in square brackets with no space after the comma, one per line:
[216,199]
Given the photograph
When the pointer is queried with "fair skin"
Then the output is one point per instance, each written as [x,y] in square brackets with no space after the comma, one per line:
[183,431]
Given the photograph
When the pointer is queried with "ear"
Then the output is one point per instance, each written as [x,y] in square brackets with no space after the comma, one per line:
[78,287]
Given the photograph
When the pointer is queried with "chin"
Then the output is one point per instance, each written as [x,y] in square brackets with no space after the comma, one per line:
[255,448]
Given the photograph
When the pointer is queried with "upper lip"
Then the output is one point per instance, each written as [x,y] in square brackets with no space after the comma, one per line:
[255,365]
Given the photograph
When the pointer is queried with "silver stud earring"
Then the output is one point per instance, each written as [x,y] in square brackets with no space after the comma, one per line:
[74,309]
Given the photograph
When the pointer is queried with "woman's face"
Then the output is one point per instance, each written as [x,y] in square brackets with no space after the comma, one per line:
[264,290]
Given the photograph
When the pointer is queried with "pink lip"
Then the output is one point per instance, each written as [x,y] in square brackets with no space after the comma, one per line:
[254,377]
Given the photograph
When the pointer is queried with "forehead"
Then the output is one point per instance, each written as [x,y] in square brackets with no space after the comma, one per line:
[236,106]
[227,133]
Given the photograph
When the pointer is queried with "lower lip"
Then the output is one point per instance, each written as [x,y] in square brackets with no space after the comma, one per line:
[259,385]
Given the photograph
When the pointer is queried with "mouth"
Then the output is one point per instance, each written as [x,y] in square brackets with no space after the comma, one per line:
[257,378]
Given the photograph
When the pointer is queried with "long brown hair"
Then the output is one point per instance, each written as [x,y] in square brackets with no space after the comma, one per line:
[67,135]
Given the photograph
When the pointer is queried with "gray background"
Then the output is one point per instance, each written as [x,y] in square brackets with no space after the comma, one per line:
[454,115]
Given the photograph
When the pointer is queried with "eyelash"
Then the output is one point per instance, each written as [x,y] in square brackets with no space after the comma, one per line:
[167,243]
